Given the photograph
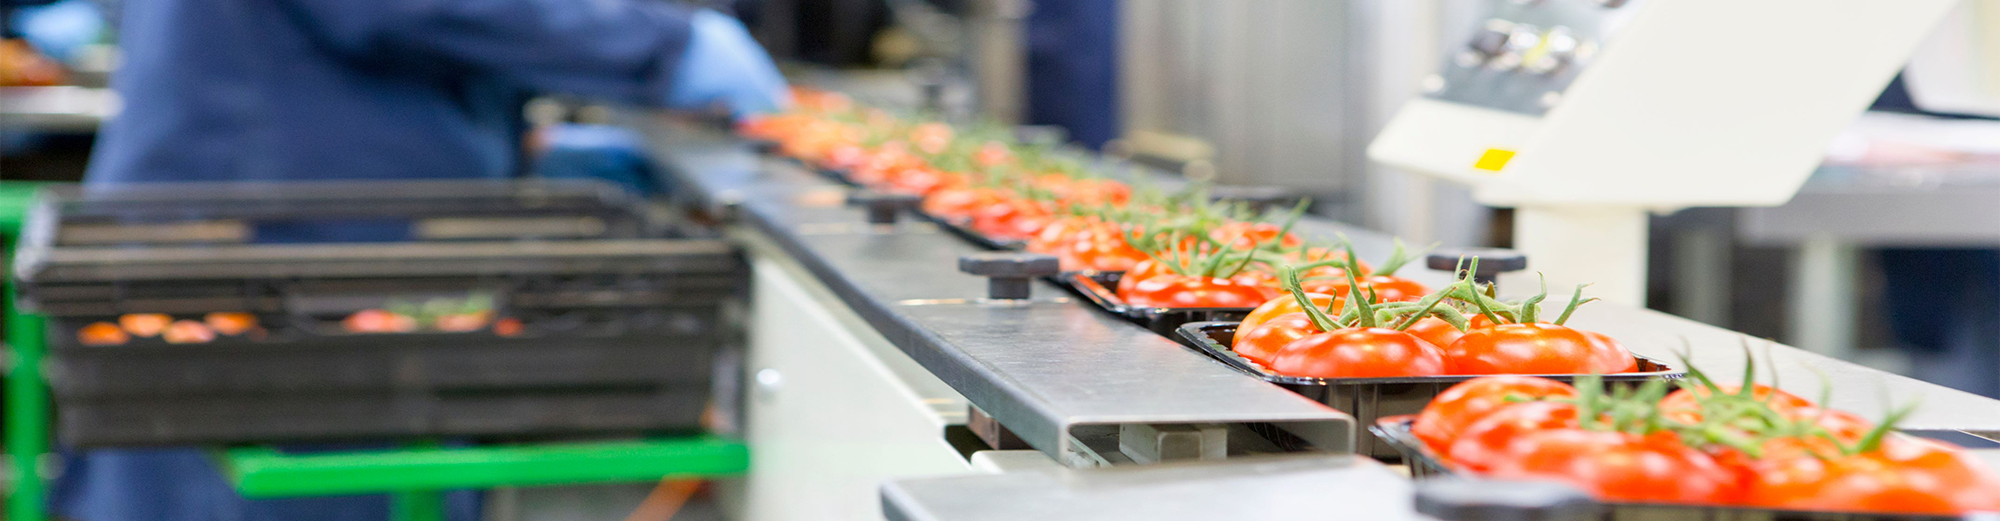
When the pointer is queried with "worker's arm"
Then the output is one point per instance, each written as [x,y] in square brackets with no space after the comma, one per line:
[636,51]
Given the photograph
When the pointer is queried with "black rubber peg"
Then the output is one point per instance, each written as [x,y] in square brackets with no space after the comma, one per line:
[1260,197]
[1008,273]
[883,207]
[1461,499]
[1492,262]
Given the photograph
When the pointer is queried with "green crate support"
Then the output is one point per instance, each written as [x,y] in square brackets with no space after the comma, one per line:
[264,472]
[27,403]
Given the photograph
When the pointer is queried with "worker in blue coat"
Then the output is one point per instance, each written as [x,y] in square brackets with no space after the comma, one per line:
[227,90]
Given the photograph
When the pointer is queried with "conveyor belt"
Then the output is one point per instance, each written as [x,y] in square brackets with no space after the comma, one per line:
[1057,371]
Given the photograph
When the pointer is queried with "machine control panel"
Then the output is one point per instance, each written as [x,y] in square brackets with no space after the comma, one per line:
[1527,53]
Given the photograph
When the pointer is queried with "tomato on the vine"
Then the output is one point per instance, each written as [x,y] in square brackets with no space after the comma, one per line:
[1279,306]
[1436,331]
[1608,356]
[1011,219]
[960,202]
[1908,477]
[1683,405]
[1145,269]
[1386,288]
[1187,291]
[1621,466]
[1487,441]
[1260,279]
[1535,348]
[1268,337]
[1243,234]
[1455,409]
[1359,352]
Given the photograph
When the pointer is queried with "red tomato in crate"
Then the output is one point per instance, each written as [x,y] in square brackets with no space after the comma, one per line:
[1538,348]
[1359,352]
[1183,291]
[1488,441]
[187,332]
[1455,409]
[102,334]
[144,324]
[378,321]
[1270,336]
[1279,306]
[1619,466]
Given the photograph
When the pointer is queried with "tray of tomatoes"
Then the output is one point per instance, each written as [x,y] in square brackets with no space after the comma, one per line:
[1372,359]
[1692,449]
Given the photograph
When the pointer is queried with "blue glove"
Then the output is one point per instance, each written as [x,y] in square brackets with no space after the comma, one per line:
[59,29]
[724,65]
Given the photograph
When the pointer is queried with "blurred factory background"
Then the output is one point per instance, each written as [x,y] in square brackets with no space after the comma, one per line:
[1290,93]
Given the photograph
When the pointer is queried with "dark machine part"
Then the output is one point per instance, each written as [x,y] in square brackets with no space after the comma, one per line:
[883,207]
[1009,274]
[1482,500]
[1492,262]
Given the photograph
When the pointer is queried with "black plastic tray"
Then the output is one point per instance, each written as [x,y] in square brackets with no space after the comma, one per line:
[1096,287]
[1370,399]
[1395,432]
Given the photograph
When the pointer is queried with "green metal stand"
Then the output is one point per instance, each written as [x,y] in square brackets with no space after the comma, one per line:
[414,476]
[27,404]
[264,472]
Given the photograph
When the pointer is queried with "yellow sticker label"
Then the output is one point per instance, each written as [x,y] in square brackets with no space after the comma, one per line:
[1494,159]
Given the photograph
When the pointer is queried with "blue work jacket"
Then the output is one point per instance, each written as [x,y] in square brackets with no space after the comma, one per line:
[365,89]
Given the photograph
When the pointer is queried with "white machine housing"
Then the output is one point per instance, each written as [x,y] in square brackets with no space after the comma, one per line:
[1587,114]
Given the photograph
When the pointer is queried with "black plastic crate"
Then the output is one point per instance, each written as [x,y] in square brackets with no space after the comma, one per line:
[611,316]
[1370,399]
[1096,287]
[1423,464]
[656,346]
[515,415]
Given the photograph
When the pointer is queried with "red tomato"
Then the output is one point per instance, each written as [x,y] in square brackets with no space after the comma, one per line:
[960,202]
[1682,404]
[1359,352]
[1909,476]
[187,332]
[1011,219]
[1436,331]
[932,138]
[1086,243]
[144,324]
[922,181]
[1538,348]
[1619,466]
[230,323]
[1459,406]
[1608,356]
[1145,269]
[1262,280]
[1487,441]
[1265,340]
[102,334]
[1183,291]
[1097,192]
[1245,234]
[992,154]
[1279,306]
[1385,287]
[378,321]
